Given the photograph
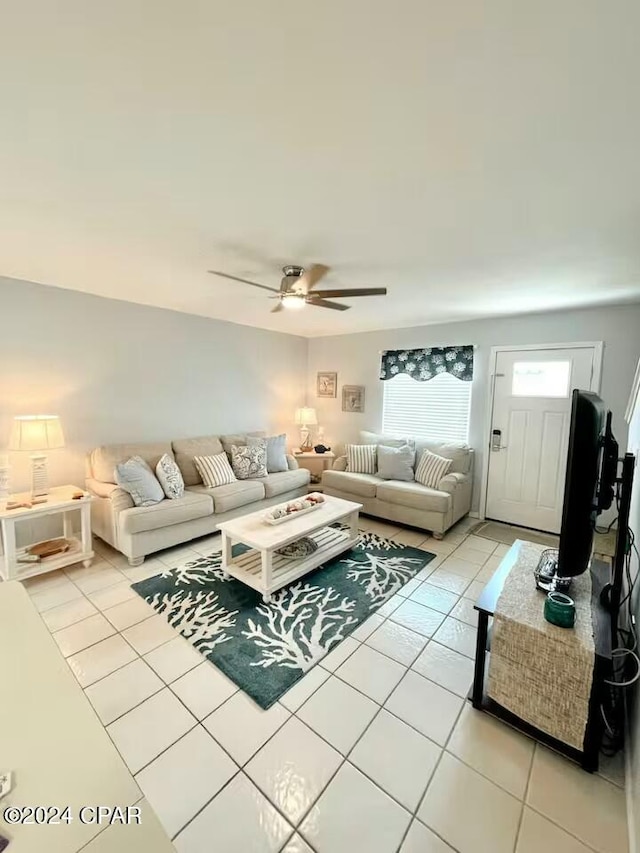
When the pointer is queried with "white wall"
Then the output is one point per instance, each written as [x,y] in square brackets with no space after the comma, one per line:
[356,358]
[115,371]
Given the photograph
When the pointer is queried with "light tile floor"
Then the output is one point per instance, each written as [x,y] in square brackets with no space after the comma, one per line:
[374,749]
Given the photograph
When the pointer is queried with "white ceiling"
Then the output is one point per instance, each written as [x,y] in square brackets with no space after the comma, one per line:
[477,158]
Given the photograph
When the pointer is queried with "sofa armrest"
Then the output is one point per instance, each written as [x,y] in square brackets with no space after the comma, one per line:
[339,464]
[111,501]
[292,462]
[460,487]
[450,482]
[119,498]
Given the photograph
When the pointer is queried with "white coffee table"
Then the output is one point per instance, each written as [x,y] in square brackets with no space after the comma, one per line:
[267,571]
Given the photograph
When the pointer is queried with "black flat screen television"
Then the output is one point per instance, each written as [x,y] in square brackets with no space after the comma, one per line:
[589,483]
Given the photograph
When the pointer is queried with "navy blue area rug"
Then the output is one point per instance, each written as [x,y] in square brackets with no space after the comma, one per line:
[266,648]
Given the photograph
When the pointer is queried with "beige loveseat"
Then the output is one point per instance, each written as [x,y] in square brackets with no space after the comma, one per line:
[408,502]
[138,531]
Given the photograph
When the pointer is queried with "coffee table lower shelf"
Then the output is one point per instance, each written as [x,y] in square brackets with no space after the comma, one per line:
[267,571]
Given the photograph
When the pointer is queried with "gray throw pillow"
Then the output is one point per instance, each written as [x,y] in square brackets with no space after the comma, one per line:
[249,462]
[136,477]
[170,477]
[276,451]
[396,463]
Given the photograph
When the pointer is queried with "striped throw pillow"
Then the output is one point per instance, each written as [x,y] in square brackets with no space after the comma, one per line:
[215,470]
[361,458]
[432,468]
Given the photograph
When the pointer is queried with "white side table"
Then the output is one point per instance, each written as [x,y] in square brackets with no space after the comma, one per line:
[59,502]
[316,463]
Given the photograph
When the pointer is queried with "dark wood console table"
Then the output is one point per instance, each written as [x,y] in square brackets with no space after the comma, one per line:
[486,604]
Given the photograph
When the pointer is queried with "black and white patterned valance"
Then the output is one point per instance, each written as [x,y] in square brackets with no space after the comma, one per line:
[424,364]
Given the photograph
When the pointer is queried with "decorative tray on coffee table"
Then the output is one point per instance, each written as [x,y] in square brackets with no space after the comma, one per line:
[296,513]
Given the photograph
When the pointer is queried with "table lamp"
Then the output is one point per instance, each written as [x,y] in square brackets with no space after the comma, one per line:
[37,433]
[305,417]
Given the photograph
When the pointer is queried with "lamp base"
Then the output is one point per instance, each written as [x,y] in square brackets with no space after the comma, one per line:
[4,481]
[305,440]
[39,479]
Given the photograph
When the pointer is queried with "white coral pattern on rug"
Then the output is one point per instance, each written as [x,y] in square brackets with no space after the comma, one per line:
[303,623]
[372,540]
[198,616]
[381,576]
[198,571]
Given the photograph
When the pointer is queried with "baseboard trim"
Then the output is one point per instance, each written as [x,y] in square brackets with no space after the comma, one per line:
[628,785]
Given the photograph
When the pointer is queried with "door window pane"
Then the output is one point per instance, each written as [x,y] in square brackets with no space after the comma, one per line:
[541,379]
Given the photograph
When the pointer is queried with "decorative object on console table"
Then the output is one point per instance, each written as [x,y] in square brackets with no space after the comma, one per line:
[353,398]
[316,463]
[327,384]
[304,418]
[19,562]
[37,433]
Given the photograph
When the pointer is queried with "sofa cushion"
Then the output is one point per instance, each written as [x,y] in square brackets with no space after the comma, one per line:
[170,477]
[215,470]
[103,460]
[367,437]
[284,481]
[276,451]
[363,485]
[240,493]
[239,439]
[396,463]
[249,462]
[458,451]
[361,458]
[414,495]
[432,468]
[187,508]
[185,449]
[135,477]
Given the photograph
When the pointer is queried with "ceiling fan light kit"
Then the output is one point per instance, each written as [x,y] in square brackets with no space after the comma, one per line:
[297,289]
[292,301]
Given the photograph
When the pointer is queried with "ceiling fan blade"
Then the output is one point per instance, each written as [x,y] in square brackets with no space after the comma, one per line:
[324,303]
[363,291]
[243,280]
[312,276]
[277,308]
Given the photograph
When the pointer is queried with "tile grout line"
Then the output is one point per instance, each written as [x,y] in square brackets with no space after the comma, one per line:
[345,758]
[120,631]
[429,781]
[525,794]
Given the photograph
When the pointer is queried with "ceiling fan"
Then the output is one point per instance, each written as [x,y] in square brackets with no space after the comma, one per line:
[297,289]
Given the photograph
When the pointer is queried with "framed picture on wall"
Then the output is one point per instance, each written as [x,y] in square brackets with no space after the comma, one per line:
[353,398]
[327,385]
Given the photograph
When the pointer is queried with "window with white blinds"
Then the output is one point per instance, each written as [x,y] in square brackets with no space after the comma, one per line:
[438,408]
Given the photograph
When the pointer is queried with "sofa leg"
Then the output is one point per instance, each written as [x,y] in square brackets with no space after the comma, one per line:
[136,561]
[437,535]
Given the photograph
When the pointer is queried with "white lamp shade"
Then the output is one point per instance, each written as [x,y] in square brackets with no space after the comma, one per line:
[36,432]
[306,416]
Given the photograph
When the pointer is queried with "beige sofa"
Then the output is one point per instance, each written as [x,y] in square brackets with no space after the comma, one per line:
[410,503]
[138,531]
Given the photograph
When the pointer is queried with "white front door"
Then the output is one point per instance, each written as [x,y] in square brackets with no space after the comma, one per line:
[530,432]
